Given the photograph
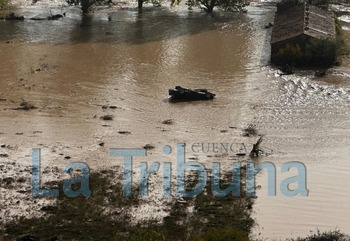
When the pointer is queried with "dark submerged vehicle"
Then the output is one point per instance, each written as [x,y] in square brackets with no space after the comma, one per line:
[180,93]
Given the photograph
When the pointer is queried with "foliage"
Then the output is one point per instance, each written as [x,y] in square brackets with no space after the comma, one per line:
[213,212]
[221,234]
[150,234]
[327,52]
[320,52]
[79,218]
[85,4]
[2,3]
[340,44]
[315,52]
[227,5]
[289,54]
[156,3]
[324,4]
[105,216]
[324,236]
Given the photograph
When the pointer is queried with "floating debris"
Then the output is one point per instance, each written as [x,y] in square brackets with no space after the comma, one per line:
[124,132]
[149,147]
[107,117]
[187,94]
[256,148]
[168,122]
[25,105]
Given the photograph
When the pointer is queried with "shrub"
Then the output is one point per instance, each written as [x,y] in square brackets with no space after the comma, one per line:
[324,236]
[340,44]
[289,54]
[321,52]
[221,234]
[150,234]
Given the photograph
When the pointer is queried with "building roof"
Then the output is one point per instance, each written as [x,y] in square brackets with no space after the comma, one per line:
[302,19]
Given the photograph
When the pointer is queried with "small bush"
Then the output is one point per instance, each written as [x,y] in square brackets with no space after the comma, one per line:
[221,234]
[321,52]
[289,54]
[324,236]
[324,4]
[340,44]
[150,234]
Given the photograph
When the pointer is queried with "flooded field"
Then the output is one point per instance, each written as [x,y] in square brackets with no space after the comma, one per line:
[76,70]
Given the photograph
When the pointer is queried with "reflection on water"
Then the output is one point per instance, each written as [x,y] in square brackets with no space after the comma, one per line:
[132,60]
[119,27]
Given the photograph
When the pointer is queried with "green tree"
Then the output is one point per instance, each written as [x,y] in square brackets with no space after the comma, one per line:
[227,5]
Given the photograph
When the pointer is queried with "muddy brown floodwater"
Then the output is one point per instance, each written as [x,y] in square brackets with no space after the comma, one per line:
[73,70]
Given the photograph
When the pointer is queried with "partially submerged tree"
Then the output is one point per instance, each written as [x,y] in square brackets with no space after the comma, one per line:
[85,4]
[227,5]
[154,2]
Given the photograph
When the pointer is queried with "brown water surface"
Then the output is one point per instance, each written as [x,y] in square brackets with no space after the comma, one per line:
[73,67]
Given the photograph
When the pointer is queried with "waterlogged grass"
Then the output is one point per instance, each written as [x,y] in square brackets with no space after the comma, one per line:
[104,216]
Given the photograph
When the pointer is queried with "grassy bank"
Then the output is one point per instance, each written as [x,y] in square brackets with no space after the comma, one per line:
[107,215]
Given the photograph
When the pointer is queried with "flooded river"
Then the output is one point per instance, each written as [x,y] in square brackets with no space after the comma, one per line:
[74,69]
